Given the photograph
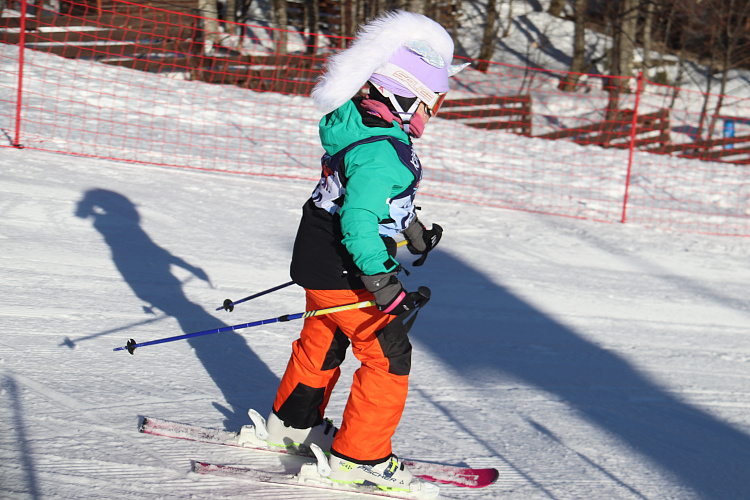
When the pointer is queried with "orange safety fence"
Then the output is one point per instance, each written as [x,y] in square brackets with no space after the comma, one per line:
[137,83]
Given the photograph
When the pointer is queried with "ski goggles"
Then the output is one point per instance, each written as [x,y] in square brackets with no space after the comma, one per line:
[432,100]
[433,110]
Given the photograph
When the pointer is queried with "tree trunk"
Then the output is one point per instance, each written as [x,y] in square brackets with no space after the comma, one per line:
[556,7]
[648,20]
[629,15]
[231,14]
[709,78]
[623,43]
[432,10]
[348,20]
[729,43]
[668,26]
[210,24]
[364,8]
[509,24]
[312,23]
[279,17]
[455,11]
[578,63]
[680,72]
[488,39]
[734,35]
[416,6]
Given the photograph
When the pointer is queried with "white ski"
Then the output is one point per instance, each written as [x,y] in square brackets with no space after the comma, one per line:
[247,437]
[313,475]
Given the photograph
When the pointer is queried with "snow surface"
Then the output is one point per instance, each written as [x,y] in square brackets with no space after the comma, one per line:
[583,360]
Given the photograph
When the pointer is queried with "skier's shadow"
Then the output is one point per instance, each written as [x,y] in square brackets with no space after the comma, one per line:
[512,339]
[244,379]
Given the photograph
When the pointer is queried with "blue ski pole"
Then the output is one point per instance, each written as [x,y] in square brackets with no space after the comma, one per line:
[132,345]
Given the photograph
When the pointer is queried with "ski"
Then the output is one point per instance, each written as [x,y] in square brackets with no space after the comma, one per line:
[308,476]
[465,477]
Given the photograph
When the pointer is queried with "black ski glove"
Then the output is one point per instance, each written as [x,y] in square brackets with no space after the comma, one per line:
[422,240]
[390,295]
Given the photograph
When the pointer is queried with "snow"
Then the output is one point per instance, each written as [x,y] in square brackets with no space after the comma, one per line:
[582,359]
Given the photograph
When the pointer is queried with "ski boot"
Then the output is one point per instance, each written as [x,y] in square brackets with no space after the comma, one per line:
[277,435]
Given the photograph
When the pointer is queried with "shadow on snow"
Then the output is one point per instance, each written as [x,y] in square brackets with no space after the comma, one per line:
[145,266]
[477,327]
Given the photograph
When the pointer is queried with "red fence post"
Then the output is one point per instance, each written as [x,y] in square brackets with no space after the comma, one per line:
[633,127]
[21,43]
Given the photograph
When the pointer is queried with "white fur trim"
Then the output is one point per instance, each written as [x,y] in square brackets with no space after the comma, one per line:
[347,71]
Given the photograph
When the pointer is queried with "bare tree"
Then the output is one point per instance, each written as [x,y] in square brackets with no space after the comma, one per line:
[231,11]
[578,63]
[417,6]
[680,72]
[509,22]
[730,17]
[668,14]
[709,80]
[488,39]
[210,14]
[556,7]
[625,25]
[312,23]
[624,21]
[279,16]
[677,19]
[354,13]
[647,8]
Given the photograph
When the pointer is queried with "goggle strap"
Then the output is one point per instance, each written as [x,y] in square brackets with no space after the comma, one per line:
[404,115]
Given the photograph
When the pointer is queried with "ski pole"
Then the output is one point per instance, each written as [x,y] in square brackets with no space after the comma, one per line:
[132,345]
[228,305]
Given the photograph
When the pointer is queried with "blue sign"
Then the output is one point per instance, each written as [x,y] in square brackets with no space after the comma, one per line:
[728,132]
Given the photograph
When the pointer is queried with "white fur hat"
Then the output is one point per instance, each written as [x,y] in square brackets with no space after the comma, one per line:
[376,42]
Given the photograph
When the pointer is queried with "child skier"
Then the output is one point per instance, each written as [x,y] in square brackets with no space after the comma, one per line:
[344,251]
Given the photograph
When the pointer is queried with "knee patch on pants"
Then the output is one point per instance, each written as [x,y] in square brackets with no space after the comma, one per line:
[301,400]
[337,351]
[300,408]
[394,341]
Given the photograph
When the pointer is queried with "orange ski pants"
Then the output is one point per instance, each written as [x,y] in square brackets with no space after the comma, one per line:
[379,387]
